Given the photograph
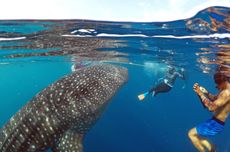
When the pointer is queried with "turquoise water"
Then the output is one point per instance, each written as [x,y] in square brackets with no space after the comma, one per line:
[47,50]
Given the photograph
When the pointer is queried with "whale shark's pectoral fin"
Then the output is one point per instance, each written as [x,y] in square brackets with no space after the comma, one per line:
[70,141]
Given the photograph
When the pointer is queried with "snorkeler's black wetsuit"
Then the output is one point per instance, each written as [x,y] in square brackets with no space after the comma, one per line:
[161,87]
[165,85]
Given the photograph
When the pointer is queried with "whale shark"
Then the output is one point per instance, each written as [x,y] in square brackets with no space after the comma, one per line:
[59,116]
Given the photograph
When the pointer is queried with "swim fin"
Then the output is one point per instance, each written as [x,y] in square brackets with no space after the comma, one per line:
[142,96]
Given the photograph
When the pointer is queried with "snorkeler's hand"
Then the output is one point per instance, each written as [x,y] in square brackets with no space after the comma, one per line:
[196,88]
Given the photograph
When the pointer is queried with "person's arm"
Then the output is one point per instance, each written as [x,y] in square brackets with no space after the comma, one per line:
[208,94]
[222,99]
[179,74]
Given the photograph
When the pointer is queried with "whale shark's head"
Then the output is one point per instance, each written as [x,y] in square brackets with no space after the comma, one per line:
[86,92]
[102,82]
[114,76]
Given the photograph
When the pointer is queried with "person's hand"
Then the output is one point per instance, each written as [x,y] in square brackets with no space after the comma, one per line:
[196,88]
[202,89]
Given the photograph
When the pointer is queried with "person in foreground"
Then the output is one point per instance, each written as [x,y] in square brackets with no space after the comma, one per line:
[166,83]
[220,105]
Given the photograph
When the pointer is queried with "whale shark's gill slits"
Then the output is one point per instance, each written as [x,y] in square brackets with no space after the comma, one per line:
[26,130]
[18,138]
[41,133]
[11,130]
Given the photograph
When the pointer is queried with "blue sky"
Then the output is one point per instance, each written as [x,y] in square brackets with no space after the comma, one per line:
[113,10]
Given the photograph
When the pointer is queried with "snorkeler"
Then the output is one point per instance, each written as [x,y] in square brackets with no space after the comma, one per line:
[166,83]
[220,105]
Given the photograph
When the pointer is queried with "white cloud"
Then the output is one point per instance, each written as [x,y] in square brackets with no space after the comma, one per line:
[24,9]
[206,4]
[178,9]
[113,10]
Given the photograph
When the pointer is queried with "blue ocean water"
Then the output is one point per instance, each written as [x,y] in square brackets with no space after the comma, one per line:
[33,54]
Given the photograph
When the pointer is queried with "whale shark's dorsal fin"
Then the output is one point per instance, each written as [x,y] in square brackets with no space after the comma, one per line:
[70,141]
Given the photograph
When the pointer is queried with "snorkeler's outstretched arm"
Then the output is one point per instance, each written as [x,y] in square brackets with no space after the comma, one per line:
[182,75]
[179,75]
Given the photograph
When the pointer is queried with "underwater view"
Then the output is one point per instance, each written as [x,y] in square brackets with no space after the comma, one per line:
[102,86]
